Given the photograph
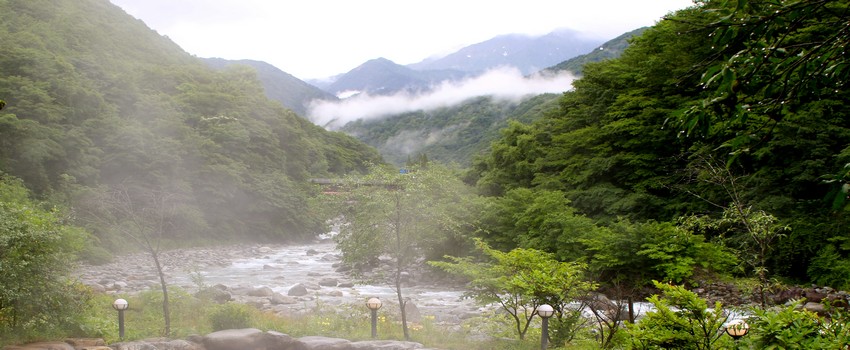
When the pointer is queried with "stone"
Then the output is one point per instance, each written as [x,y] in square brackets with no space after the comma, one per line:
[280,299]
[412,312]
[54,345]
[297,290]
[264,250]
[346,285]
[817,308]
[85,342]
[328,282]
[261,292]
[250,338]
[312,252]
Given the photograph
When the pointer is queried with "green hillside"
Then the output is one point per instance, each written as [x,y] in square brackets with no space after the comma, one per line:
[99,105]
[448,135]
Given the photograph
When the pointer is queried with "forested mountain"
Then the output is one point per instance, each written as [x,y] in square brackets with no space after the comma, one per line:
[105,115]
[731,120]
[450,134]
[280,86]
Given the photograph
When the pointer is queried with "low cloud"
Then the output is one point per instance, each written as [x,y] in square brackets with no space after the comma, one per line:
[500,83]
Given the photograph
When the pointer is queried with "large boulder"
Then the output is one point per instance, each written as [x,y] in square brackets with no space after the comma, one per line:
[324,343]
[157,344]
[297,290]
[261,292]
[250,339]
[280,299]
[328,282]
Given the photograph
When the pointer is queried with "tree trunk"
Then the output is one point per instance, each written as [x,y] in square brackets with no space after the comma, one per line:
[165,311]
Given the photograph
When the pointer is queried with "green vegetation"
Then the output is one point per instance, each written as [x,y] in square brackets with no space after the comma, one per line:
[684,160]
[97,101]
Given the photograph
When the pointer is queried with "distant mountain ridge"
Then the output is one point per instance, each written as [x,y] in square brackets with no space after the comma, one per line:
[382,76]
[279,86]
[527,53]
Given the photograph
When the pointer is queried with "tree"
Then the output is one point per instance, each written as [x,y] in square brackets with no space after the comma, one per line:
[520,281]
[146,217]
[405,216]
[36,254]
[771,57]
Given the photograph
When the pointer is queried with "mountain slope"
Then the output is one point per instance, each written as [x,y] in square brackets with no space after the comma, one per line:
[100,105]
[610,49]
[279,86]
[382,76]
[527,53]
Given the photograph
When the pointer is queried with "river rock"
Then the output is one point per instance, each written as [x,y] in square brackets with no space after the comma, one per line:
[264,250]
[297,290]
[261,292]
[412,312]
[346,285]
[328,282]
[280,299]
[817,308]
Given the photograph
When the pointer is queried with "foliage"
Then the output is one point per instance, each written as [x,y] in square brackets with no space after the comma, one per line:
[230,316]
[772,58]
[520,281]
[681,320]
[36,254]
[630,142]
[792,328]
[96,101]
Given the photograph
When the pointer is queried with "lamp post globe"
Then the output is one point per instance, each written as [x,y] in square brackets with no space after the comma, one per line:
[120,305]
[374,304]
[545,311]
[737,328]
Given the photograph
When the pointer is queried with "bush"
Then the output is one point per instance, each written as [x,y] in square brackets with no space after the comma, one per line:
[681,320]
[231,316]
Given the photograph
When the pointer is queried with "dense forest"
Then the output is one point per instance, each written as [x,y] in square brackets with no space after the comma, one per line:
[97,103]
[715,108]
[715,146]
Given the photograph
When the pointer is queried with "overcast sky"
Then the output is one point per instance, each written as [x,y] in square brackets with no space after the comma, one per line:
[320,38]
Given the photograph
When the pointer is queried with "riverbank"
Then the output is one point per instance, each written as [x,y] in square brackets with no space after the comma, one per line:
[287,280]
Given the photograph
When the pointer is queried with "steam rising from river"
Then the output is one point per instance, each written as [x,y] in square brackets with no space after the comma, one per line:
[502,83]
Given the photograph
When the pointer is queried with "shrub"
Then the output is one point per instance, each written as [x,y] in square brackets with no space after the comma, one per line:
[231,316]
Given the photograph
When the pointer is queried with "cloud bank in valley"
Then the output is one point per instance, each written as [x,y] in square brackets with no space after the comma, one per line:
[502,83]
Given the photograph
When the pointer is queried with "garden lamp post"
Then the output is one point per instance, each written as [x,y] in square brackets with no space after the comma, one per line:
[737,328]
[374,304]
[120,305]
[545,311]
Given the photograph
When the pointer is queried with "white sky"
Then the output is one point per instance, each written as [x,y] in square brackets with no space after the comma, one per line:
[320,38]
